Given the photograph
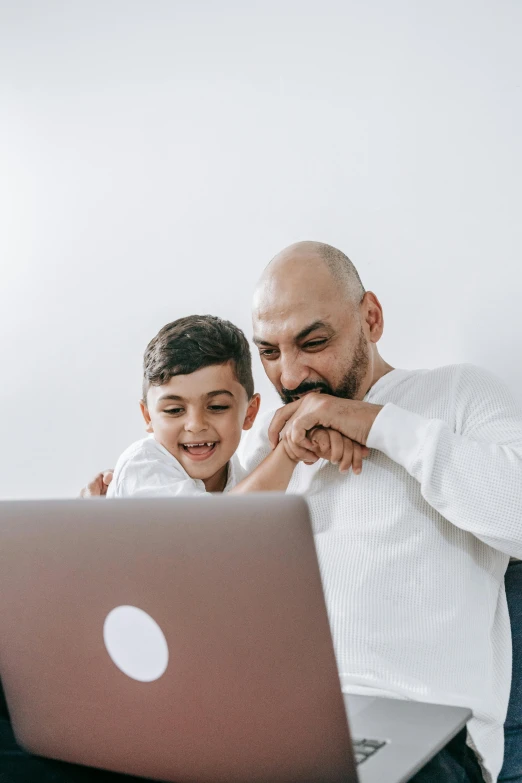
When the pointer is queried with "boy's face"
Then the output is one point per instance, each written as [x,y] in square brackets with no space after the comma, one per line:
[199,417]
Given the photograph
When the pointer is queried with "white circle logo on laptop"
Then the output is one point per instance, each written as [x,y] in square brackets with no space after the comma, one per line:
[136,643]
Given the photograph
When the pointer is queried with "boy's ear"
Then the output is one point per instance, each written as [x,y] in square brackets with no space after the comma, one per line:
[146,416]
[252,411]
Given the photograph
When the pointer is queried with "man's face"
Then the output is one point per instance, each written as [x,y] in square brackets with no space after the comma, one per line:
[199,418]
[310,338]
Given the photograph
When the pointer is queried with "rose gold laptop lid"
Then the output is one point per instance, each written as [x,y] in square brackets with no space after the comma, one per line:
[184,640]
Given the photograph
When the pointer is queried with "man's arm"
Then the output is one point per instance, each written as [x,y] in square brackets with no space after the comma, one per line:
[473,477]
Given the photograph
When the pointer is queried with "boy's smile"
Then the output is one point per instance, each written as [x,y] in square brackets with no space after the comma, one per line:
[199,451]
[199,418]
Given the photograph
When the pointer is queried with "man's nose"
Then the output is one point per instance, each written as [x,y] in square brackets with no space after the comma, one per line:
[292,372]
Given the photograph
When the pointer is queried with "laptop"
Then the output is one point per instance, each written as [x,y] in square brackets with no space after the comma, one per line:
[187,640]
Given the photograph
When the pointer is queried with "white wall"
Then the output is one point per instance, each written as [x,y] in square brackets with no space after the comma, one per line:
[156,155]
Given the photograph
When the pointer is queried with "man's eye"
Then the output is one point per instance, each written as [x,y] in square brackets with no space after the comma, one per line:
[268,353]
[315,343]
[218,407]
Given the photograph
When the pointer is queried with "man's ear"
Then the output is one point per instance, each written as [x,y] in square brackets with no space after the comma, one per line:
[371,313]
[146,416]
[252,411]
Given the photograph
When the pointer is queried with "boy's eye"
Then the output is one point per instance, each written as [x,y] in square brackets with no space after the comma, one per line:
[173,410]
[218,407]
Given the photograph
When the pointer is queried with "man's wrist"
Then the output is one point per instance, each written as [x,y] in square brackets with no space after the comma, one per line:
[401,434]
[372,415]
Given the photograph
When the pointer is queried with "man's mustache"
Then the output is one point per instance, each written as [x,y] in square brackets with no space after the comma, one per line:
[290,395]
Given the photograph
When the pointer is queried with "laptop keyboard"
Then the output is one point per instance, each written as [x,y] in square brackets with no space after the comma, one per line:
[364,748]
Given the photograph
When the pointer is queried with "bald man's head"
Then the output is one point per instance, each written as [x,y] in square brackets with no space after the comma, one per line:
[314,324]
[304,256]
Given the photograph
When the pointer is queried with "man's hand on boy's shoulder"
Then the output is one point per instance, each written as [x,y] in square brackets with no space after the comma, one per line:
[98,486]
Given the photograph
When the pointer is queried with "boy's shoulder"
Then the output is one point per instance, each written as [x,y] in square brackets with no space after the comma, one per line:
[144,450]
[147,469]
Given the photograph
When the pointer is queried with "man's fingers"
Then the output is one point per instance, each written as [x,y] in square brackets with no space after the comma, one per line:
[331,444]
[302,431]
[353,455]
[337,446]
[289,450]
[357,458]
[108,477]
[279,420]
[304,455]
[347,457]
[320,439]
[299,453]
[305,450]
[306,418]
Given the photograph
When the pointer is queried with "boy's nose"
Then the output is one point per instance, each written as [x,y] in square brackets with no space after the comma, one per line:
[196,424]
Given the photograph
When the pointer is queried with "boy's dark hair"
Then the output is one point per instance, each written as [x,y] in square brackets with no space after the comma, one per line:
[194,342]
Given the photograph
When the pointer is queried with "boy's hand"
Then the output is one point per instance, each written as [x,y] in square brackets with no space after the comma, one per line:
[338,449]
[98,486]
[308,456]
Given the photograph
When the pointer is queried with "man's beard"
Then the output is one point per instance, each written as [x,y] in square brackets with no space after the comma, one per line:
[349,386]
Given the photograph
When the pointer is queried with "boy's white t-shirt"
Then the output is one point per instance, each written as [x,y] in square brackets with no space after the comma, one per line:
[147,470]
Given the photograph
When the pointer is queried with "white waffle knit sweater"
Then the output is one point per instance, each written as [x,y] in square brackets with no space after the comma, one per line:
[413,550]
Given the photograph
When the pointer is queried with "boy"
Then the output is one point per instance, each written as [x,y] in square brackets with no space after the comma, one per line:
[198,397]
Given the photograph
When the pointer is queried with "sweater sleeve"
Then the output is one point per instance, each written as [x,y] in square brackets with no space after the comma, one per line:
[472,476]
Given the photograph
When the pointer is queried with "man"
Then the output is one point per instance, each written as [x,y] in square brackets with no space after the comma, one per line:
[413,549]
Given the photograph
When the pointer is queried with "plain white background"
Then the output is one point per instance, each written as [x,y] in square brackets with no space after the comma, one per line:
[156,155]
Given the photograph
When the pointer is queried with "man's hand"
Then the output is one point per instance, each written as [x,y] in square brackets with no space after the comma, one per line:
[339,450]
[352,418]
[98,486]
